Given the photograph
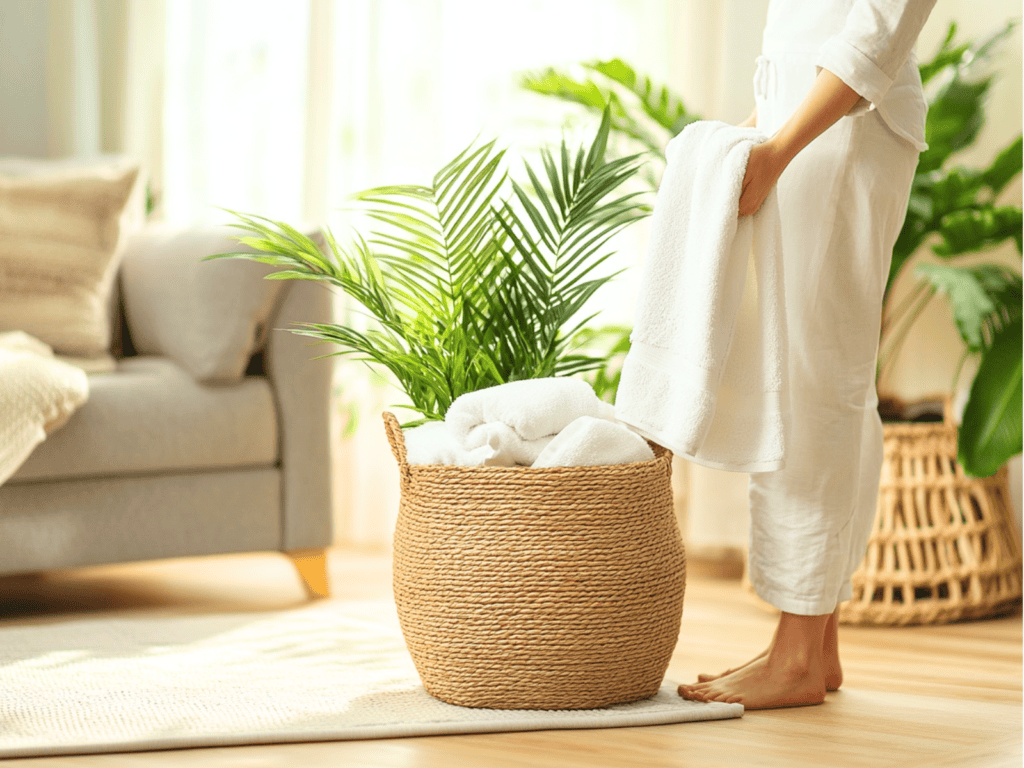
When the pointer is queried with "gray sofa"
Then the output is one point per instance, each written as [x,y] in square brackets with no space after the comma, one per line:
[210,436]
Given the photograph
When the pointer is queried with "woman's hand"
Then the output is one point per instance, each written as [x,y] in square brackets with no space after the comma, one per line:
[766,164]
[827,101]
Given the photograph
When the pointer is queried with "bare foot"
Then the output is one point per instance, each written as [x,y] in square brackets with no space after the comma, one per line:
[830,657]
[792,673]
[765,684]
[830,653]
[705,678]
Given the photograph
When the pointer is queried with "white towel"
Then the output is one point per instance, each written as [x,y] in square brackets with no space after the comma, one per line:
[506,447]
[706,373]
[432,443]
[590,442]
[518,419]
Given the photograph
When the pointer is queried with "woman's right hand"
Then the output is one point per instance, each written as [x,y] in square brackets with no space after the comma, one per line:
[765,165]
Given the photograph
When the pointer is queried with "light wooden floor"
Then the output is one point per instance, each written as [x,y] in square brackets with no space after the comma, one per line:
[926,697]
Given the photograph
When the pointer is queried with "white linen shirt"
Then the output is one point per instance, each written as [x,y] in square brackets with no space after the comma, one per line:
[868,44]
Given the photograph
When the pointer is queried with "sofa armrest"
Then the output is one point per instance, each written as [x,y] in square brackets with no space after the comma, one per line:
[302,388]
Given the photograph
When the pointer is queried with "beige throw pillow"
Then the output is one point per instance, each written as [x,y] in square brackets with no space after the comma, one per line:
[61,238]
[208,316]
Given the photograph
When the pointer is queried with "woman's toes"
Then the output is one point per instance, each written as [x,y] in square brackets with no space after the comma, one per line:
[690,692]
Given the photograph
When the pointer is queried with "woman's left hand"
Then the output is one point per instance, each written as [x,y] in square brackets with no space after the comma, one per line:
[764,167]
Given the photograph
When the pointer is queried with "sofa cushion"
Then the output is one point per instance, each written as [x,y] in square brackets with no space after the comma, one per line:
[209,316]
[62,229]
[138,517]
[151,416]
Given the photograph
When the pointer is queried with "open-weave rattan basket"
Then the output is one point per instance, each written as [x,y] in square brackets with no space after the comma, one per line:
[944,545]
[524,588]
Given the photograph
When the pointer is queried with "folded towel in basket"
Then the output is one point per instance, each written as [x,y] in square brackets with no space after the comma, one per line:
[706,372]
[588,442]
[518,419]
[432,443]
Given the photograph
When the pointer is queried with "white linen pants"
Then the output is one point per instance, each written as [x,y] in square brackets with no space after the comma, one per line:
[842,204]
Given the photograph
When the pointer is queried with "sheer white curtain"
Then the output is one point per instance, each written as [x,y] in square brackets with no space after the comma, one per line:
[286,109]
[235,108]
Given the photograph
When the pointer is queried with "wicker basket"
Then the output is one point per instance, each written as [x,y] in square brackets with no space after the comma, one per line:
[523,588]
[944,546]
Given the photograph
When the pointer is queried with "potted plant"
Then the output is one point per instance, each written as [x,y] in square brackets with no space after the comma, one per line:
[504,576]
[469,286]
[958,556]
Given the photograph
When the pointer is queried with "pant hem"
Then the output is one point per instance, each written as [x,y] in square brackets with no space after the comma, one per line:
[846,591]
[796,605]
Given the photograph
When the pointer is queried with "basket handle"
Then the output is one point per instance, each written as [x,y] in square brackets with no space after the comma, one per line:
[666,454]
[397,441]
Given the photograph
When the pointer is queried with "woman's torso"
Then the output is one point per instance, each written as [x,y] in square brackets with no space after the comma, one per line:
[795,32]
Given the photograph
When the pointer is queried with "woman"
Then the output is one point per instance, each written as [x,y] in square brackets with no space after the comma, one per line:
[838,90]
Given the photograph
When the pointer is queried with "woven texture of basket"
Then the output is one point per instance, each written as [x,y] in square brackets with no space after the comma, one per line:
[546,588]
[944,545]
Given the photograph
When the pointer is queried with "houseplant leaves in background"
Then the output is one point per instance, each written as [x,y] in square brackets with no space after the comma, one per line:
[991,428]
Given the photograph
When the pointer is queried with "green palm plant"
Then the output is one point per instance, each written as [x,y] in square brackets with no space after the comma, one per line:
[473,279]
[643,112]
[952,208]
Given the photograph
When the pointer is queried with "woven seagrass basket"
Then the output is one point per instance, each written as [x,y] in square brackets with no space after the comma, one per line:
[546,588]
[944,545]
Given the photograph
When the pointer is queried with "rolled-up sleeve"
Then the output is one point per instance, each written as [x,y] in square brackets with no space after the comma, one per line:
[874,44]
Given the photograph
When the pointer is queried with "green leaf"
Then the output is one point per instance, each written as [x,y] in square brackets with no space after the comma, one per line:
[946,56]
[976,228]
[551,82]
[657,101]
[600,144]
[1006,166]
[991,429]
[977,296]
[636,104]
[955,117]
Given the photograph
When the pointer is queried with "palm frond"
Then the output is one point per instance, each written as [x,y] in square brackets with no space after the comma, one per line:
[470,286]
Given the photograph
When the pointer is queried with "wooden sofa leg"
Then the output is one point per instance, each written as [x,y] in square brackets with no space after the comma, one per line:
[312,567]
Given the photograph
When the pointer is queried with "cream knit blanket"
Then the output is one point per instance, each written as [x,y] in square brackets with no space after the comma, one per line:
[37,395]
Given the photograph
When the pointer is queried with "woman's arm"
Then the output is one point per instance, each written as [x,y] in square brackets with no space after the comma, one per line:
[828,100]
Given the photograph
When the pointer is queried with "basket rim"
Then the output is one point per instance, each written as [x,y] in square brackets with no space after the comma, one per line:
[659,458]
[662,455]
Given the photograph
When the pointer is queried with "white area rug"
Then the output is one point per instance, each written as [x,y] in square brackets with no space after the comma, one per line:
[322,672]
